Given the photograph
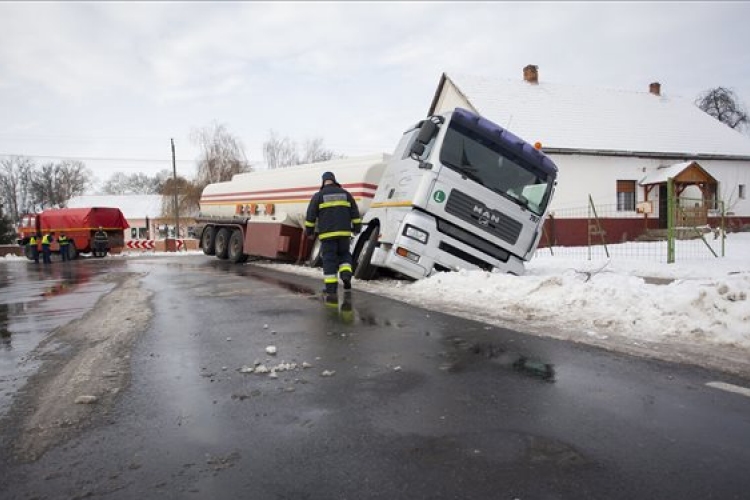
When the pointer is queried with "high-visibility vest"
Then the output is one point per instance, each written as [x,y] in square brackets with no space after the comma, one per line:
[45,239]
[32,240]
[62,240]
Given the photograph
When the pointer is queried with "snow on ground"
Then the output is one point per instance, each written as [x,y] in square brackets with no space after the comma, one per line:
[691,311]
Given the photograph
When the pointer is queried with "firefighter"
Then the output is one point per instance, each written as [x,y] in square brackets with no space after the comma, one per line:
[34,247]
[47,240]
[101,241]
[64,246]
[334,210]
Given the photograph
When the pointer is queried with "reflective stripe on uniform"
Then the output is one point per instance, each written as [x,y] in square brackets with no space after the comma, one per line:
[334,234]
[344,268]
[330,204]
[309,224]
[356,221]
[330,279]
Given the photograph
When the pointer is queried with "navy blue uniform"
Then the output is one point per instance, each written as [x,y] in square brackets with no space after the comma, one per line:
[336,215]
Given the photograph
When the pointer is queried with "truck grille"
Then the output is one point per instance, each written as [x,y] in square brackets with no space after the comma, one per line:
[472,240]
[479,215]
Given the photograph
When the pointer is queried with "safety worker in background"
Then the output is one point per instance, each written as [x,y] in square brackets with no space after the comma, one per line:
[101,241]
[64,247]
[34,247]
[334,210]
[47,240]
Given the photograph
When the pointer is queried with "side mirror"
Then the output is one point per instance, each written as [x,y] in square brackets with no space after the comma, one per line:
[427,131]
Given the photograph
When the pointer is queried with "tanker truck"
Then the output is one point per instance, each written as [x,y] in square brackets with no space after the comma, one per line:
[459,192]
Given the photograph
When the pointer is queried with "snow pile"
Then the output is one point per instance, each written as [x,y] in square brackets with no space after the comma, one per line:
[715,310]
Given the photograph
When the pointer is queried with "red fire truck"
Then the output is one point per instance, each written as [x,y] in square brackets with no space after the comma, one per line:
[78,224]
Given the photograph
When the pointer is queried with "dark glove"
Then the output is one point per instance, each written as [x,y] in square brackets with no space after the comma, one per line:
[357,228]
[309,233]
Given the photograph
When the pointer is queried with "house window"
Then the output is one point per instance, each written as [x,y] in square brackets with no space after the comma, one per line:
[742,191]
[625,196]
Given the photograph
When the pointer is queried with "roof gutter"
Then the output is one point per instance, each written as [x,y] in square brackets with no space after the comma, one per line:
[643,154]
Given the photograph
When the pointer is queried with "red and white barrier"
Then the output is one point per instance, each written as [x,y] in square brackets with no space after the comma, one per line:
[140,244]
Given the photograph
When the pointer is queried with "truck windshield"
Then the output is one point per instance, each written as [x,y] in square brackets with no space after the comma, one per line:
[496,168]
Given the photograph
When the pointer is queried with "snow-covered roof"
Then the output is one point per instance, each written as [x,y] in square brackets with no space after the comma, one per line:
[596,119]
[662,174]
[133,206]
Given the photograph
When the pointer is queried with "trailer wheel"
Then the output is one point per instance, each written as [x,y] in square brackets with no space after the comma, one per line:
[221,244]
[72,251]
[236,244]
[363,269]
[315,259]
[208,240]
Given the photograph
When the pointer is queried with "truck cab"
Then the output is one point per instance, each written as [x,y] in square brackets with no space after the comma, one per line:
[460,192]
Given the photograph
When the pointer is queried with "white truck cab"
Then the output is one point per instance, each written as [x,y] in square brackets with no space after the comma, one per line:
[459,192]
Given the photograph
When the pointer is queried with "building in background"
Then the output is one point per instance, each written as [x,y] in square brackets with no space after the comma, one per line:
[142,211]
[618,147]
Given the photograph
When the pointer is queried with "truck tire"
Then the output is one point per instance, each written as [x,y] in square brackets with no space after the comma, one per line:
[72,251]
[236,247]
[315,259]
[208,240]
[363,269]
[221,244]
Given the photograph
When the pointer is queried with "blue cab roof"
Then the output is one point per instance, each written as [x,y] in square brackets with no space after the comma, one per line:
[506,139]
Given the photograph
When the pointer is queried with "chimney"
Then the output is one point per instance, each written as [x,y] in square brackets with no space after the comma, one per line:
[655,88]
[530,74]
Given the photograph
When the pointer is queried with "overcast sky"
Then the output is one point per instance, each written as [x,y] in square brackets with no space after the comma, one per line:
[117,80]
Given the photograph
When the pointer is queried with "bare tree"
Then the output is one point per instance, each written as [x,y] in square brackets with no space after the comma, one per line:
[315,151]
[138,183]
[222,155]
[56,183]
[188,197]
[279,152]
[724,105]
[15,180]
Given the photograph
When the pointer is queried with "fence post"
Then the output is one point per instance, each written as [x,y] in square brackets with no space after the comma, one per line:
[723,228]
[671,207]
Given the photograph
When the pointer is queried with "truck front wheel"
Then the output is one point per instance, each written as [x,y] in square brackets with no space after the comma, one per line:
[363,269]
[221,245]
[208,240]
[236,245]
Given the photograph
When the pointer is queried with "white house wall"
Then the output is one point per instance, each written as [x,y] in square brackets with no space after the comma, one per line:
[582,175]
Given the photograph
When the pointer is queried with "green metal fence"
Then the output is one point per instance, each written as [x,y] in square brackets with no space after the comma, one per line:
[690,229]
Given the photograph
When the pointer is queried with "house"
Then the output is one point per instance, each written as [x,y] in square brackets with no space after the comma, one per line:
[617,147]
[142,211]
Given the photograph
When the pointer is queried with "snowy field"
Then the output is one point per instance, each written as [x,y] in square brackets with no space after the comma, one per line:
[696,312]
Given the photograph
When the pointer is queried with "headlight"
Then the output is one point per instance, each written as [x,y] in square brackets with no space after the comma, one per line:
[416,234]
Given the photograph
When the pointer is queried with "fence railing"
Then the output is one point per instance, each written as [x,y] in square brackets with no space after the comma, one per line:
[687,229]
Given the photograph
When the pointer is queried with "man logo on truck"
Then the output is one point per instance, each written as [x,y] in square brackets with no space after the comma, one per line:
[486,215]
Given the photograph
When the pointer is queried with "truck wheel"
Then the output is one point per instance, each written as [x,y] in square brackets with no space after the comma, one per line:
[221,244]
[72,251]
[315,259]
[208,240]
[363,269]
[236,245]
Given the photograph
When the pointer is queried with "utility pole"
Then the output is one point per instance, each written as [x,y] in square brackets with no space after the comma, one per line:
[176,206]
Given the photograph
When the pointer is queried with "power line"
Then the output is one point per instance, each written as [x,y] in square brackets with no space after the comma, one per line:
[90,158]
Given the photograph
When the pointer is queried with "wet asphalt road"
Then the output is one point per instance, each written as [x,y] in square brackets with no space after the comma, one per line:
[421,405]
